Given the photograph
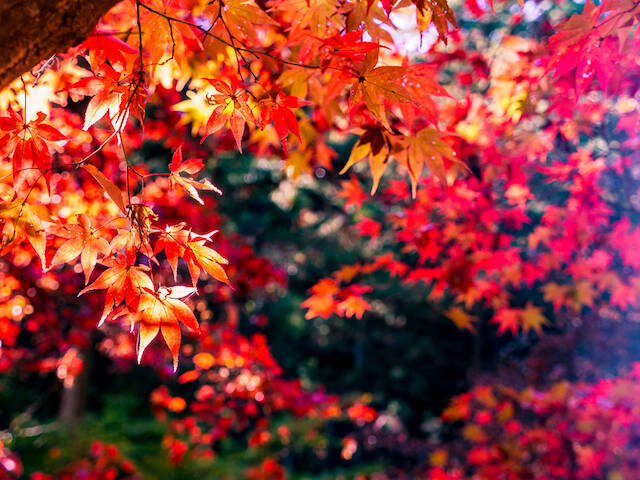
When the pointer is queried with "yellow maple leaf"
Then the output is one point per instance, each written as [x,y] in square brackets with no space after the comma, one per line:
[462,319]
[531,318]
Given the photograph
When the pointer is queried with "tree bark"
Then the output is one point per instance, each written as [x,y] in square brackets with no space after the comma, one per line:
[34,30]
[73,399]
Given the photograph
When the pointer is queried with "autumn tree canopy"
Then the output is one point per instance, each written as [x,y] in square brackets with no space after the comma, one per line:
[473,161]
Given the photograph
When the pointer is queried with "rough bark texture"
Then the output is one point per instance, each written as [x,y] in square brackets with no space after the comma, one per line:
[33,30]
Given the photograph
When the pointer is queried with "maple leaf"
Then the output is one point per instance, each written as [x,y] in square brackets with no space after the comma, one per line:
[518,194]
[508,319]
[242,17]
[576,29]
[162,312]
[316,16]
[369,16]
[298,163]
[112,191]
[279,111]
[565,295]
[23,220]
[113,92]
[352,193]
[322,302]
[347,45]
[376,85]
[586,46]
[102,46]
[123,281]
[438,12]
[132,239]
[626,241]
[180,243]
[299,81]
[173,241]
[374,146]
[556,294]
[584,294]
[166,41]
[34,131]
[27,140]
[105,92]
[462,319]
[532,319]
[230,106]
[426,147]
[200,257]
[369,228]
[81,240]
[353,303]
[420,83]
[190,166]
[347,273]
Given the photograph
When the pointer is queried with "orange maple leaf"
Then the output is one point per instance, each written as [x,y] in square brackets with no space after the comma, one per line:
[322,302]
[426,147]
[22,220]
[375,86]
[353,305]
[160,312]
[230,105]
[508,319]
[114,93]
[81,240]
[438,12]
[374,146]
[462,319]
[180,243]
[123,281]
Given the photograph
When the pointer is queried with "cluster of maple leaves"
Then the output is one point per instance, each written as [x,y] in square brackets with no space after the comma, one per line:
[535,216]
[285,57]
[569,431]
[238,389]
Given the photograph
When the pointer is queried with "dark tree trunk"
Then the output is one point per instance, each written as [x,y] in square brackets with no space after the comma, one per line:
[73,399]
[34,30]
